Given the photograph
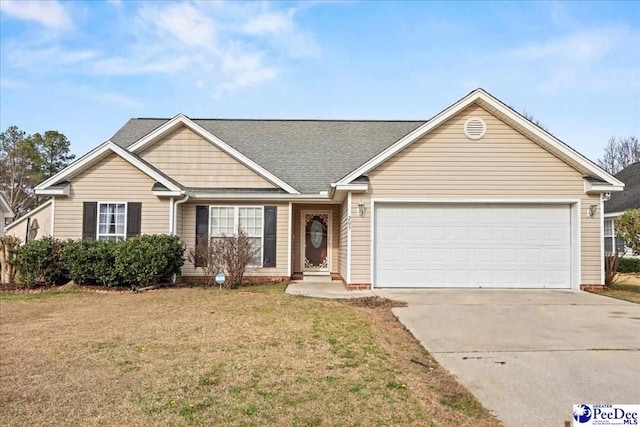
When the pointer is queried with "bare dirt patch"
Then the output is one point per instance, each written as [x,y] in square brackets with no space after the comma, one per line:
[211,357]
[629,279]
[375,302]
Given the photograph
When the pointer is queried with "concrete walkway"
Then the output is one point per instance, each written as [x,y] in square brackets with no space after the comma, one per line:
[324,289]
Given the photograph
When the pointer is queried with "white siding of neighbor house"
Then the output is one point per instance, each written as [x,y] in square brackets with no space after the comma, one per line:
[503,165]
[43,216]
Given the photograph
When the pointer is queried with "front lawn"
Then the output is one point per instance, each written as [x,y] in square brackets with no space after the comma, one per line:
[627,288]
[207,357]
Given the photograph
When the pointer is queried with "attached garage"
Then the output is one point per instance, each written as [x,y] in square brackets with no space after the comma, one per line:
[473,245]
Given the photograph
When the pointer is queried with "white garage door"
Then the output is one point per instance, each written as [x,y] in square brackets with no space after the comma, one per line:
[472,245]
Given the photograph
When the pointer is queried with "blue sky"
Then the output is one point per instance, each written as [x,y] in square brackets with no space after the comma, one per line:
[86,68]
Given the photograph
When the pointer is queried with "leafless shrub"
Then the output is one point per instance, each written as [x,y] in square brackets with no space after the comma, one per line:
[611,262]
[231,254]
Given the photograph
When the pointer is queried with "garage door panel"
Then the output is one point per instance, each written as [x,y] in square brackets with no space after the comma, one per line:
[420,245]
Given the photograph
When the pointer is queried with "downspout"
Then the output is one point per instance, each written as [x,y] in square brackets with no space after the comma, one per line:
[175,213]
[175,222]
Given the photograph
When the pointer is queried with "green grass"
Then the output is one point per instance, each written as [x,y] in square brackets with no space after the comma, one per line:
[49,293]
[624,292]
[254,356]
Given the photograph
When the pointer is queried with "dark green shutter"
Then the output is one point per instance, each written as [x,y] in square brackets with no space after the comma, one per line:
[89,220]
[202,234]
[270,230]
[134,219]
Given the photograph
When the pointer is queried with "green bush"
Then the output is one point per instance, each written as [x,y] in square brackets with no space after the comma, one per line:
[38,262]
[629,265]
[149,258]
[141,260]
[103,254]
[76,260]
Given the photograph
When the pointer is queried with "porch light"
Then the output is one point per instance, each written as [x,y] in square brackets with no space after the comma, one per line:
[361,208]
[592,210]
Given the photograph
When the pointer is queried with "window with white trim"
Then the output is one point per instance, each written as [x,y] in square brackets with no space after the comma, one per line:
[610,238]
[228,220]
[112,221]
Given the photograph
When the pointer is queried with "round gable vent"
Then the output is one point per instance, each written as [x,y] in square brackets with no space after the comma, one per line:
[475,128]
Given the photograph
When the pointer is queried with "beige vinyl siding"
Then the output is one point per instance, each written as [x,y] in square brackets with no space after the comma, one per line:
[111,179]
[194,162]
[344,230]
[504,164]
[179,217]
[296,254]
[282,239]
[43,216]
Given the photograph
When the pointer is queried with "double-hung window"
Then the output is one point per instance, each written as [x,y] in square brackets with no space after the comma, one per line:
[228,220]
[610,238]
[111,221]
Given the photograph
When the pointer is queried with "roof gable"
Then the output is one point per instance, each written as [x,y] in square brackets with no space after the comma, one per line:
[4,205]
[182,120]
[100,153]
[194,162]
[510,117]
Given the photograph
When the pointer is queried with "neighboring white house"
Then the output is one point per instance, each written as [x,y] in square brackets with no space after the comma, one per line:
[618,204]
[6,213]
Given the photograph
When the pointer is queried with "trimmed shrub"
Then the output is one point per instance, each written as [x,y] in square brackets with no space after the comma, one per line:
[141,260]
[38,262]
[77,260]
[629,265]
[103,254]
[149,259]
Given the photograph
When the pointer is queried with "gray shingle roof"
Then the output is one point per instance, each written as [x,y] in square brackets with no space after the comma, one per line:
[630,197]
[306,154]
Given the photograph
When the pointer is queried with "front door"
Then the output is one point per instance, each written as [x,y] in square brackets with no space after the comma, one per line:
[316,241]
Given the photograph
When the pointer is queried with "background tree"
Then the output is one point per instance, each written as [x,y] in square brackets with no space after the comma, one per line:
[27,160]
[18,171]
[620,153]
[533,120]
[628,229]
[53,153]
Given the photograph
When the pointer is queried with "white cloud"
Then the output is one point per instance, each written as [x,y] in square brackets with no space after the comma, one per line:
[36,57]
[245,69]
[9,83]
[50,13]
[182,21]
[584,46]
[269,23]
[128,66]
[221,46]
[585,60]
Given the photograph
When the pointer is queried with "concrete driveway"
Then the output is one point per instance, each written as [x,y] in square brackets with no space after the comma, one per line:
[529,355]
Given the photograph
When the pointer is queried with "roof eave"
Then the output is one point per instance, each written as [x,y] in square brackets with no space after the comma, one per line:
[595,187]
